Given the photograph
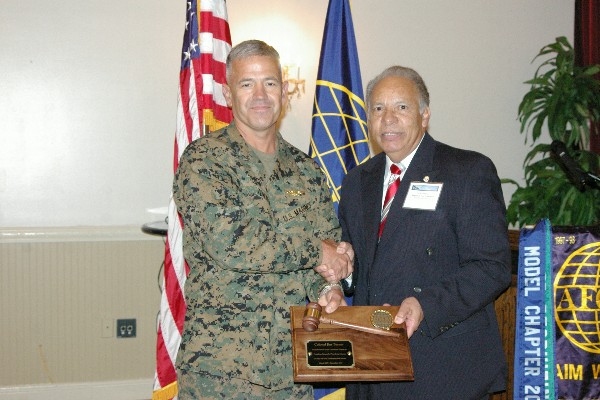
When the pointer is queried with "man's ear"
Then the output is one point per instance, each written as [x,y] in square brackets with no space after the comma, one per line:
[425,117]
[227,94]
[284,92]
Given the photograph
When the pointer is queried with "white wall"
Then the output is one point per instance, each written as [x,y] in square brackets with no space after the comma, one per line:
[88,88]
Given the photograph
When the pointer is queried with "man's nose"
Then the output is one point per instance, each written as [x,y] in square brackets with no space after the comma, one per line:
[260,91]
[389,116]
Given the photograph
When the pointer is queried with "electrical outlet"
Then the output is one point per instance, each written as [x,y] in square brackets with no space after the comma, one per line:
[126,328]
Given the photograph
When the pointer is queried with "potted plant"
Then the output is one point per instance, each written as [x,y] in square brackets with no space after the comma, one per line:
[565,98]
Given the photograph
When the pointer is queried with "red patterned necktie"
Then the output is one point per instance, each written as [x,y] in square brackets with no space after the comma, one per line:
[394,183]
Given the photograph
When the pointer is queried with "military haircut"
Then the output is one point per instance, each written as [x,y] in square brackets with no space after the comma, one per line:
[250,48]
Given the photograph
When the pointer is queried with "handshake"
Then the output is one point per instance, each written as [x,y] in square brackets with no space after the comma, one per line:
[336,264]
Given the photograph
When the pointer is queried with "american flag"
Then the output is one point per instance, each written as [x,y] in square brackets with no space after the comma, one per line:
[201,108]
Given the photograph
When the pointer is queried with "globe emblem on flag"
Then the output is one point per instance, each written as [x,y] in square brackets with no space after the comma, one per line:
[577,298]
[340,140]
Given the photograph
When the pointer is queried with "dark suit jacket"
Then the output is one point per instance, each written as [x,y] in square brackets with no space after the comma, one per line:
[455,260]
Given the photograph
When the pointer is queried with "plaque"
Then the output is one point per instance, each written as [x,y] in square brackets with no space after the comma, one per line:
[329,354]
[355,343]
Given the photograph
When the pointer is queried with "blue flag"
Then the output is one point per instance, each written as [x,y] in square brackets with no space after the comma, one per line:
[339,139]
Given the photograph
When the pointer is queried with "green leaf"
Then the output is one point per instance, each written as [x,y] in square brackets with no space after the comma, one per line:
[564,98]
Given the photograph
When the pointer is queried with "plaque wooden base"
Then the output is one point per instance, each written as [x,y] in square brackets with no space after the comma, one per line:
[335,353]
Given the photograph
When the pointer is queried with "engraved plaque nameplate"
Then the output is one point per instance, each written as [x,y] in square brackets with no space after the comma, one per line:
[329,353]
[352,344]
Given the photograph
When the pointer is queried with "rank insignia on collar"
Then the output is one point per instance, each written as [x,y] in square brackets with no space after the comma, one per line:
[294,193]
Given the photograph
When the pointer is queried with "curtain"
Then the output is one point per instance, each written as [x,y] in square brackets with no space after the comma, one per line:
[587,47]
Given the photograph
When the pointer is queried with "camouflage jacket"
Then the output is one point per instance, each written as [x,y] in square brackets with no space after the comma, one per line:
[251,242]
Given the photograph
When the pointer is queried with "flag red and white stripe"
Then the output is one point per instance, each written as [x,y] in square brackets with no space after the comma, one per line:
[201,107]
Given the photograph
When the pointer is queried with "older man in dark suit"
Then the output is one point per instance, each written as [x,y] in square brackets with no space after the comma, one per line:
[427,222]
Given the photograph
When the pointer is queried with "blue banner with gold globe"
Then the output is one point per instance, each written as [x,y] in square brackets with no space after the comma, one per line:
[576,277]
[557,332]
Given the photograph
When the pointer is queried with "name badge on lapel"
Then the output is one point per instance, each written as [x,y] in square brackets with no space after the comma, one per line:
[423,195]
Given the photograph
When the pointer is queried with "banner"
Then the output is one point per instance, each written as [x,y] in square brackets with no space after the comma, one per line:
[576,277]
[534,324]
[557,337]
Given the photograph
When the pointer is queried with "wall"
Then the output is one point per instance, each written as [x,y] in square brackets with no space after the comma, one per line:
[87,112]
[61,291]
[87,118]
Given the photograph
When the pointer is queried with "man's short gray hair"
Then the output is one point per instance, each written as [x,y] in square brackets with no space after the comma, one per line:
[250,48]
[401,72]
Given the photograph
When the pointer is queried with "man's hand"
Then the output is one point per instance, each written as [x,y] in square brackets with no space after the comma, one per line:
[410,312]
[332,299]
[337,261]
[345,248]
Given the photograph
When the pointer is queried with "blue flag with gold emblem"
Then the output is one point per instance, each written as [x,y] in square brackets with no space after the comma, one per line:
[576,277]
[339,139]
[557,335]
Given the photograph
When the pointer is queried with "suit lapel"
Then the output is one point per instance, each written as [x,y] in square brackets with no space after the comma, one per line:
[372,192]
[420,167]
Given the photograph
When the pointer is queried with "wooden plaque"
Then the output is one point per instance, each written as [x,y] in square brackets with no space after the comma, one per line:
[340,354]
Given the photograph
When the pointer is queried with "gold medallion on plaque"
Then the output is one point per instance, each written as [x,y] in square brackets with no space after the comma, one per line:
[382,319]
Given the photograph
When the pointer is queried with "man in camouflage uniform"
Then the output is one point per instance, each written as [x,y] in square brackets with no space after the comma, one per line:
[260,234]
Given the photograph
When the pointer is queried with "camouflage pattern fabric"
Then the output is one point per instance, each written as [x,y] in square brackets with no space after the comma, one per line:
[200,385]
[251,242]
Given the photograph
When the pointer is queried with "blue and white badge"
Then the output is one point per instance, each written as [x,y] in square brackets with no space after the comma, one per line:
[423,195]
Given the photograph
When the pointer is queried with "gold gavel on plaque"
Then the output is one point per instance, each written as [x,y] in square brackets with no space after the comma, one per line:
[381,324]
